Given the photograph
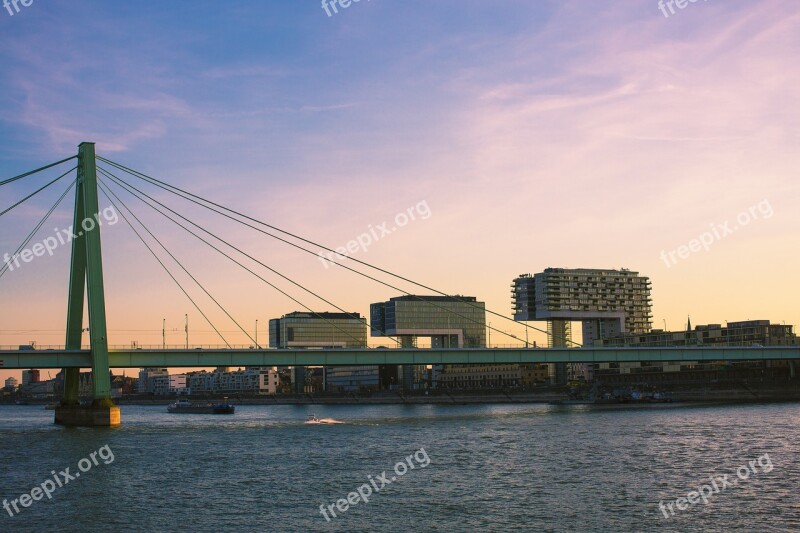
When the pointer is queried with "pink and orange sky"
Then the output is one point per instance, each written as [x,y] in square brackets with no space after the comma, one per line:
[539,134]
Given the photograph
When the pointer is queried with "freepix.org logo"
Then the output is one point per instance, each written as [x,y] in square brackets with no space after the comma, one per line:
[333,5]
[65,236]
[363,493]
[58,480]
[12,6]
[375,233]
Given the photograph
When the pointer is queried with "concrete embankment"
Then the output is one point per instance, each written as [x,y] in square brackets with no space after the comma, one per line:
[729,394]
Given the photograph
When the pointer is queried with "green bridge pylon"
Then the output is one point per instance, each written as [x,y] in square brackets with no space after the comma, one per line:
[86,275]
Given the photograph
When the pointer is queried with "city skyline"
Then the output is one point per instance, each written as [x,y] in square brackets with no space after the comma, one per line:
[633,138]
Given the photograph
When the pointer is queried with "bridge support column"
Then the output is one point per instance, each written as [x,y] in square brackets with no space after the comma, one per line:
[86,273]
[559,335]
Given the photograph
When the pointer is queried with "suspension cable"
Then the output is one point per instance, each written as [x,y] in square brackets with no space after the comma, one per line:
[186,195]
[126,186]
[15,178]
[31,195]
[7,266]
[179,263]
[165,268]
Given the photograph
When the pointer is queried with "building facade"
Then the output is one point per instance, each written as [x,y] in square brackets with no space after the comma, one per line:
[745,334]
[607,303]
[153,381]
[248,381]
[269,381]
[318,330]
[491,376]
[352,378]
[30,376]
[449,322]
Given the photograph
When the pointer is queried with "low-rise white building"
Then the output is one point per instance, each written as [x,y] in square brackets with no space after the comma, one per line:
[269,381]
[177,384]
[237,382]
[256,380]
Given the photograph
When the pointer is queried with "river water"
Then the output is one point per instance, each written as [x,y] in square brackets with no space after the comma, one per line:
[465,468]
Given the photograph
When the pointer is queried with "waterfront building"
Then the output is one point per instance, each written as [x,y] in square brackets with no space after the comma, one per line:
[535,374]
[747,333]
[30,376]
[178,384]
[236,382]
[479,376]
[744,333]
[491,376]
[11,384]
[123,386]
[158,382]
[607,303]
[304,330]
[352,378]
[153,381]
[269,380]
[38,390]
[86,384]
[318,330]
[448,321]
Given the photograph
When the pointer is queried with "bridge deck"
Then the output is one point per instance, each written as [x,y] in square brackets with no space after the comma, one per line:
[239,358]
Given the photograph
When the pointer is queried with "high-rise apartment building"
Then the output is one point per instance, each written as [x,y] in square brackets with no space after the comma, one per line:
[606,302]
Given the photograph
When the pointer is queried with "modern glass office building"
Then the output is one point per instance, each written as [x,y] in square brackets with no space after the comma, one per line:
[352,378]
[449,321]
[318,330]
[303,329]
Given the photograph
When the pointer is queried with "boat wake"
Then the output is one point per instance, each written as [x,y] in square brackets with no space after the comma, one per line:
[315,420]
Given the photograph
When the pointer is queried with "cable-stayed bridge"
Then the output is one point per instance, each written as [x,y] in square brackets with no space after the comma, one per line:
[97,175]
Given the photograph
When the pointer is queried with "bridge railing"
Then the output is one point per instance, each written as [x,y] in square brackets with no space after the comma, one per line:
[42,347]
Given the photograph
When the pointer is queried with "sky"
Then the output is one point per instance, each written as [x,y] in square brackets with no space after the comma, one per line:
[520,135]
